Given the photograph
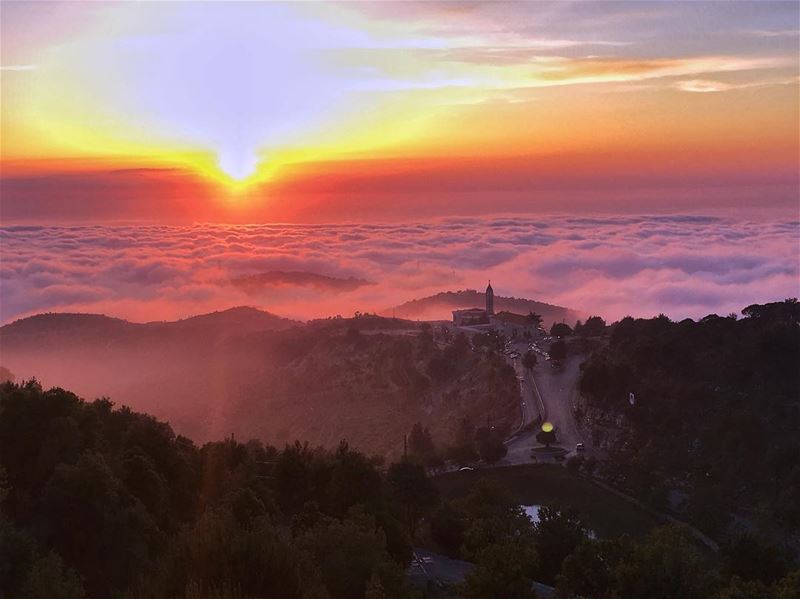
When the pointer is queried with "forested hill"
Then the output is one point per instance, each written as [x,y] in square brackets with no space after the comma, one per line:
[98,502]
[54,326]
[366,379]
[439,306]
[715,423]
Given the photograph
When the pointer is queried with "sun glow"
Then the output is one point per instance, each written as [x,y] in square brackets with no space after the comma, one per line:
[238,93]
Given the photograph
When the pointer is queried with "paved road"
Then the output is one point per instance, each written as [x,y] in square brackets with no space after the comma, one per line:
[429,567]
[557,390]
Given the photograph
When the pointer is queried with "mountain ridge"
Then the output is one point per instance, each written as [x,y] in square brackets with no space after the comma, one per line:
[438,307]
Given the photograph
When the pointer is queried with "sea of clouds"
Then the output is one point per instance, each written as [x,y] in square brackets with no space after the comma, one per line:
[683,266]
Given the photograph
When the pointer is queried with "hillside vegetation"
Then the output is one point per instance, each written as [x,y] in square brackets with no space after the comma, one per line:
[715,425]
[99,502]
[252,374]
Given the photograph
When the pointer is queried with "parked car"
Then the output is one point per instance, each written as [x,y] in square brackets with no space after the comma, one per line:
[579,447]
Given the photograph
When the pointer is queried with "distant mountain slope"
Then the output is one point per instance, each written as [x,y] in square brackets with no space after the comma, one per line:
[366,379]
[258,283]
[242,317]
[32,332]
[439,306]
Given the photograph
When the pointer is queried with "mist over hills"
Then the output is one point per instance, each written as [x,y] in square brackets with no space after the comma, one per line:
[248,372]
[64,323]
[439,306]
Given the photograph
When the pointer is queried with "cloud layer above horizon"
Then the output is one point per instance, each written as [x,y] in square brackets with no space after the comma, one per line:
[683,266]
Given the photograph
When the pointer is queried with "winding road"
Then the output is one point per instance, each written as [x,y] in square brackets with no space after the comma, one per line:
[549,390]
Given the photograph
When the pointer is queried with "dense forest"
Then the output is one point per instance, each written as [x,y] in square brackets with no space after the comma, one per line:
[101,502]
[712,429]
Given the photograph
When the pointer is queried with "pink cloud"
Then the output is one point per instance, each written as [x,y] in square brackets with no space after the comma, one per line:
[684,266]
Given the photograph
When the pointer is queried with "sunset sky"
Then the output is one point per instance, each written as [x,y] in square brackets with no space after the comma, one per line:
[615,158]
[298,112]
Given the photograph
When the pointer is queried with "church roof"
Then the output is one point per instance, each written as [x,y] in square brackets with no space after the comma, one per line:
[510,317]
[470,310]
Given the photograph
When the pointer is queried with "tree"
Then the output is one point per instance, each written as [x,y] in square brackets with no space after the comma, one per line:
[353,480]
[448,526]
[348,554]
[788,587]
[413,490]
[624,331]
[374,588]
[463,449]
[560,329]
[557,534]
[529,360]
[589,570]
[420,445]
[502,570]
[491,447]
[49,579]
[493,515]
[558,351]
[743,589]
[667,565]
[752,558]
[546,437]
[594,326]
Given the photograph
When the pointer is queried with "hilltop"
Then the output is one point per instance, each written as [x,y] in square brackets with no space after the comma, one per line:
[244,371]
[439,306]
[261,282]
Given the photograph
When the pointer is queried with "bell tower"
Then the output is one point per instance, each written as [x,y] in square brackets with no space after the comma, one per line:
[489,300]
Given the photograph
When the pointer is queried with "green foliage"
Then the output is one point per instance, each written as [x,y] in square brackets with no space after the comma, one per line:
[502,570]
[716,412]
[103,502]
[589,571]
[28,574]
[490,446]
[560,329]
[529,360]
[755,559]
[492,517]
[594,326]
[463,450]
[448,526]
[665,566]
[557,534]
[788,587]
[349,554]
[413,490]
[47,578]
[422,447]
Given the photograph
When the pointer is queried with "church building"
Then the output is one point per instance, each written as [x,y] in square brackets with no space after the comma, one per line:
[509,324]
[476,316]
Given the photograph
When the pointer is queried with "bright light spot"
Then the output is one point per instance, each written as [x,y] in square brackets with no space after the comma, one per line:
[547,427]
[238,165]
